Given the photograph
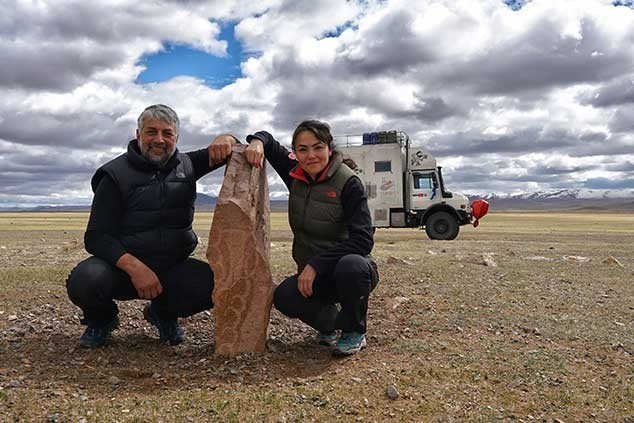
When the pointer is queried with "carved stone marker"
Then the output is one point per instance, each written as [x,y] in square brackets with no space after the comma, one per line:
[238,253]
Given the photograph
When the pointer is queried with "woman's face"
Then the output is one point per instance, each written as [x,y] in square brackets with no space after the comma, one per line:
[312,153]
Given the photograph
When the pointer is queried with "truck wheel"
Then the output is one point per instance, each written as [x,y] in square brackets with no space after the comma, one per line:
[442,225]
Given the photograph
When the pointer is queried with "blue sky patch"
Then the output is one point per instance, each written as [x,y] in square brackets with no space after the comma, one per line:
[518,4]
[337,32]
[178,60]
[515,4]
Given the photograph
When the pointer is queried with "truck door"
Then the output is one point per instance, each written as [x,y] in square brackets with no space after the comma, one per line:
[424,190]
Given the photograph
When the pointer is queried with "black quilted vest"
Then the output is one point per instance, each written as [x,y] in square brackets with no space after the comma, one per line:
[158,206]
[315,212]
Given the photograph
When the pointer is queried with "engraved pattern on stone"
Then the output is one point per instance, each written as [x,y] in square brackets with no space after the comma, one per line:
[238,252]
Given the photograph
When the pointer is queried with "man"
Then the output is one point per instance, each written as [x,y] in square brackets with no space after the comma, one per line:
[140,233]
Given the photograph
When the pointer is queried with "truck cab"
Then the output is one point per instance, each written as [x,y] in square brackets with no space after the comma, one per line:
[405,186]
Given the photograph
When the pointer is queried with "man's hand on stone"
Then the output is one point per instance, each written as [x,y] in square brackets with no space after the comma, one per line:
[254,153]
[305,281]
[220,148]
[143,278]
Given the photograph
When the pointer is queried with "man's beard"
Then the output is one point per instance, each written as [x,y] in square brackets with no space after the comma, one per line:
[161,160]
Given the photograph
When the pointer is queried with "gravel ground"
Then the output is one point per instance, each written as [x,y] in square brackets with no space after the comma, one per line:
[519,320]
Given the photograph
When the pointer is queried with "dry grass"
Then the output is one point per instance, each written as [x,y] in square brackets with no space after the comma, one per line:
[501,324]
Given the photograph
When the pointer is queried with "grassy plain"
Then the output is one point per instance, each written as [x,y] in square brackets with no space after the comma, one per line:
[517,320]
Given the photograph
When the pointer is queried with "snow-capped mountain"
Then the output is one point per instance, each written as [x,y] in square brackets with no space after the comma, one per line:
[562,194]
[563,199]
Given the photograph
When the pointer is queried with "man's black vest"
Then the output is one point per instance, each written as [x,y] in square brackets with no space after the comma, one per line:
[158,206]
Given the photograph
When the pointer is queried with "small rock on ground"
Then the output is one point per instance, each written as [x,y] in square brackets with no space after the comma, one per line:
[114,380]
[612,261]
[392,392]
[396,260]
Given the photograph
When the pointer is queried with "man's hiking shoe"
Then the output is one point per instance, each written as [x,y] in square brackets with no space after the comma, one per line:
[169,329]
[327,339]
[95,334]
[349,343]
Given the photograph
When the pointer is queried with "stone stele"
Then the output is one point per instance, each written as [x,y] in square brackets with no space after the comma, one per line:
[238,252]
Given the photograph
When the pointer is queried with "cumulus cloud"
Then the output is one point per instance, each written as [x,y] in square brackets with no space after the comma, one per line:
[60,45]
[288,21]
[622,120]
[519,96]
[615,93]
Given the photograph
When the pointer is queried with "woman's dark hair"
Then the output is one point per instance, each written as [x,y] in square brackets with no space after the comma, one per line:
[321,131]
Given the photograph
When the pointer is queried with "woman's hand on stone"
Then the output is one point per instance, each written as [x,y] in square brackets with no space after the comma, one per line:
[254,153]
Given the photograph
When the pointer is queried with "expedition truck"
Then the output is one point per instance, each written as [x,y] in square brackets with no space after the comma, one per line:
[405,187]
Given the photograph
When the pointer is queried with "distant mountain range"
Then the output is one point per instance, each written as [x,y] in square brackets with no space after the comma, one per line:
[204,202]
[551,200]
[563,199]
[570,194]
[207,202]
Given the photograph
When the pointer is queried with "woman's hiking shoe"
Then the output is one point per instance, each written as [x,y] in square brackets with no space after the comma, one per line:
[169,329]
[349,343]
[96,334]
[327,339]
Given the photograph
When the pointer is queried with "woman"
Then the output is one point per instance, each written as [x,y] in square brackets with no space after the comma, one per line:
[329,216]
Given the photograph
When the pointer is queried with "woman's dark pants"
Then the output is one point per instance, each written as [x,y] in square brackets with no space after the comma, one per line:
[350,284]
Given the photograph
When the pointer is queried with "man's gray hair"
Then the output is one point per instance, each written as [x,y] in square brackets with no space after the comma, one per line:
[161,112]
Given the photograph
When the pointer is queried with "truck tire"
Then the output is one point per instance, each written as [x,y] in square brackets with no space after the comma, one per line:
[442,225]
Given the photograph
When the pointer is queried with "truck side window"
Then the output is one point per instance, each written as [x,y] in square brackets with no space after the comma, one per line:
[423,181]
[385,166]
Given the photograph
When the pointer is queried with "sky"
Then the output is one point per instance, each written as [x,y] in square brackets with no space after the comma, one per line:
[514,96]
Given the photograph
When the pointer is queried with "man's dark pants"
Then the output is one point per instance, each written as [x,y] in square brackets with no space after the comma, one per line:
[350,284]
[94,283]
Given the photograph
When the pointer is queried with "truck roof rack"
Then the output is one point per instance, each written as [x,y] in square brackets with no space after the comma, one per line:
[368,138]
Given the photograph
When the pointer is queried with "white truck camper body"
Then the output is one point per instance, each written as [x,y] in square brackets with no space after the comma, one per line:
[404,185]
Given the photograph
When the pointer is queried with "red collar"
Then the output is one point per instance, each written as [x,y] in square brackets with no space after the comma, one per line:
[298,173]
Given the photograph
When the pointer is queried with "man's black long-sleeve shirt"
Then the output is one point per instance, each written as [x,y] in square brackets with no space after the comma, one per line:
[102,233]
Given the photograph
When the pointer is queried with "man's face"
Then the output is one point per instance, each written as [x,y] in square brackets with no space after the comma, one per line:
[157,140]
